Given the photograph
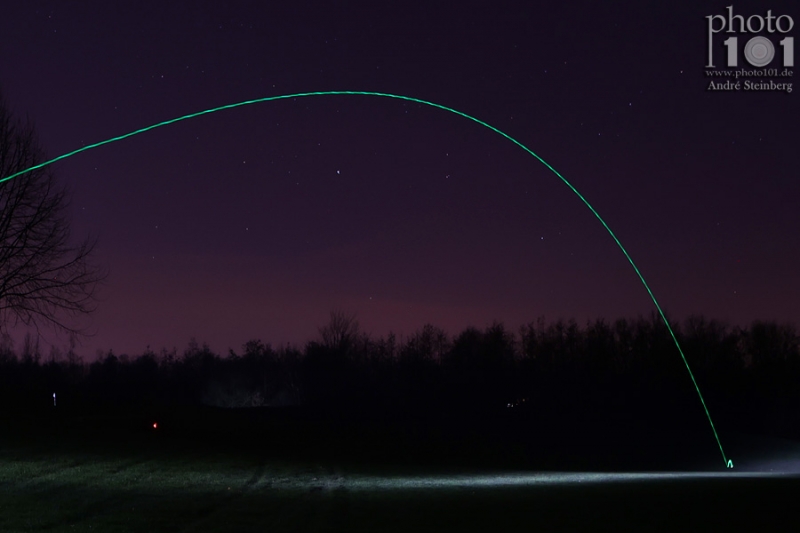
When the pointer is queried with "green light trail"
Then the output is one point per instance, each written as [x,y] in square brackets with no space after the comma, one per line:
[728,463]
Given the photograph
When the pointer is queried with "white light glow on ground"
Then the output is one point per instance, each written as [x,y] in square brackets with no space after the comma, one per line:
[538,479]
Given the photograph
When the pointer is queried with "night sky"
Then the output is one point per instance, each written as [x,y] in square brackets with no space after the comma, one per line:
[256,222]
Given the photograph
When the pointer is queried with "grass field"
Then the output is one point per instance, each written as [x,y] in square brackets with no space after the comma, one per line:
[99,474]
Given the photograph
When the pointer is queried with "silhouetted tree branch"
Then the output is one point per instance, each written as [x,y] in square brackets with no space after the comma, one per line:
[43,276]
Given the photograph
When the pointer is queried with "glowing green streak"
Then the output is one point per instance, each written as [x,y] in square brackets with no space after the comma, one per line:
[728,464]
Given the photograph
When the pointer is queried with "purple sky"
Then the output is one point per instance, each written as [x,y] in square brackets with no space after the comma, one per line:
[256,222]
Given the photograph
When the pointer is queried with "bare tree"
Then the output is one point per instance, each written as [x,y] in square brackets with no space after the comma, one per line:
[43,275]
[341,332]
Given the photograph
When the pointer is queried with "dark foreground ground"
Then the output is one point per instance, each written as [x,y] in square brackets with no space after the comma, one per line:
[298,470]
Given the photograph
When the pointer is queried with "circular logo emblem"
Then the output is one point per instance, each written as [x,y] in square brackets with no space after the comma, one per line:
[759,51]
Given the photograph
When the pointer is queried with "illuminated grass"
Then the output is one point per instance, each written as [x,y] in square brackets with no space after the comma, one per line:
[728,463]
[148,490]
[104,474]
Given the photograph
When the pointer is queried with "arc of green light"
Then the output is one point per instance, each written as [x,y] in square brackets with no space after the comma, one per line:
[728,463]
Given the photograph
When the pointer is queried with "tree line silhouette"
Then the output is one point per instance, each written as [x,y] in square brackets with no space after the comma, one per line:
[625,373]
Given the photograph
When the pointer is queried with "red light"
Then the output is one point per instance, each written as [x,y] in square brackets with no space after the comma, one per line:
[155,425]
